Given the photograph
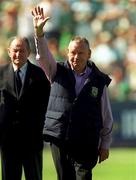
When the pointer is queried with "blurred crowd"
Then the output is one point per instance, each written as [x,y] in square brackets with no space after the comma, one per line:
[109,25]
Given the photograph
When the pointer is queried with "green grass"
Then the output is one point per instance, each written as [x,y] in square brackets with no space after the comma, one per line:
[121,165]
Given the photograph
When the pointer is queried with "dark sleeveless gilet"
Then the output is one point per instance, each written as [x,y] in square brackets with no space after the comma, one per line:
[75,118]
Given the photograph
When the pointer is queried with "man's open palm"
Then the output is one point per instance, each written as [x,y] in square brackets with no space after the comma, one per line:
[39,19]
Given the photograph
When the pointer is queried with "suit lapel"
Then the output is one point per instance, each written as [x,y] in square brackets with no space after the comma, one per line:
[10,79]
[28,80]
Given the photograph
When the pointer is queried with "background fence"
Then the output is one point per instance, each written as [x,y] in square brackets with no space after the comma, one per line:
[124,130]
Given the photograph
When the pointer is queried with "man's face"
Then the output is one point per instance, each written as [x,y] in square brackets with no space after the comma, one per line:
[18,52]
[78,55]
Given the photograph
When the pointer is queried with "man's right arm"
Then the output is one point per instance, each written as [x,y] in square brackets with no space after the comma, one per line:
[44,56]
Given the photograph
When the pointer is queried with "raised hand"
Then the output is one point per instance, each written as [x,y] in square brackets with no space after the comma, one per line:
[39,20]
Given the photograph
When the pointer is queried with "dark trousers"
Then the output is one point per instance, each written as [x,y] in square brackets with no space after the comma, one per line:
[67,168]
[13,162]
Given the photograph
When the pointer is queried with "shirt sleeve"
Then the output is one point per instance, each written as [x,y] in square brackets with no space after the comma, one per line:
[45,59]
[106,132]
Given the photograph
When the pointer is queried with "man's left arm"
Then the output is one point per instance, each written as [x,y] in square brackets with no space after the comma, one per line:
[106,132]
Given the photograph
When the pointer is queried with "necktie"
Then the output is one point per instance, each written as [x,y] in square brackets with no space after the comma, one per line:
[18,81]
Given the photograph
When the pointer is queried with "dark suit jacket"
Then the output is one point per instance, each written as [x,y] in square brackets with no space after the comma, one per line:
[22,118]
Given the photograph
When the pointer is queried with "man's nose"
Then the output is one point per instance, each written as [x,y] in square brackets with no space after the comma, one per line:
[76,56]
[17,54]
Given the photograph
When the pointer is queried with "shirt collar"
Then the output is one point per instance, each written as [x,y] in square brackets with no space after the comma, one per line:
[86,72]
[22,69]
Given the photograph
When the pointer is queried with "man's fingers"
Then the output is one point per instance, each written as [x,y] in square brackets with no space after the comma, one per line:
[46,19]
[103,154]
[37,11]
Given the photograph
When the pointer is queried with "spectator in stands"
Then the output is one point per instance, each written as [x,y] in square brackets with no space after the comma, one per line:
[119,89]
[104,55]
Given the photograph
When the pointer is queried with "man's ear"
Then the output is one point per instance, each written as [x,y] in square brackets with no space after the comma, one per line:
[67,51]
[8,50]
[29,52]
[90,52]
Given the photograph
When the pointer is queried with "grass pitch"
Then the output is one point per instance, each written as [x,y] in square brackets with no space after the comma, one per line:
[121,165]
